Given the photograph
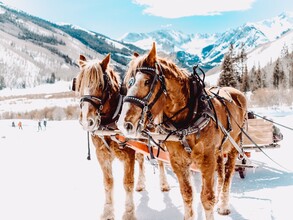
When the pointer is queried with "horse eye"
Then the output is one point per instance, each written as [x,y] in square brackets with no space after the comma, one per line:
[147,82]
[131,81]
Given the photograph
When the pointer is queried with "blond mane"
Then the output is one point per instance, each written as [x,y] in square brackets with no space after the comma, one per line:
[91,76]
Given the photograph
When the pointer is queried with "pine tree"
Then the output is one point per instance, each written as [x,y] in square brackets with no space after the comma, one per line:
[258,80]
[283,79]
[245,80]
[276,74]
[291,75]
[52,78]
[239,64]
[2,83]
[284,51]
[227,76]
[263,80]
[252,77]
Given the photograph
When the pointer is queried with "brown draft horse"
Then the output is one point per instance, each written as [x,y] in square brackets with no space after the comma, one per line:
[159,91]
[98,86]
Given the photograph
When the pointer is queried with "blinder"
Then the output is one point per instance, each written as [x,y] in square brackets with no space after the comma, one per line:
[157,76]
[95,101]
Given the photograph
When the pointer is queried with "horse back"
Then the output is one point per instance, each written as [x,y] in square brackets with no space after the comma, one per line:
[232,102]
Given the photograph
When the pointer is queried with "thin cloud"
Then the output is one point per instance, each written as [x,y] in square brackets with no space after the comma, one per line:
[166,25]
[186,8]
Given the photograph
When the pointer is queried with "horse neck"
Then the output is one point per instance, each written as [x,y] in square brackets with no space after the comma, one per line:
[177,99]
[114,101]
[111,104]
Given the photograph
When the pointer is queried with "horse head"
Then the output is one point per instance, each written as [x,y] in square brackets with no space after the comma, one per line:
[146,92]
[97,85]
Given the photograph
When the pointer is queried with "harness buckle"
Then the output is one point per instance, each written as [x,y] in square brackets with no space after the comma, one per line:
[187,149]
[186,146]
[145,108]
[184,132]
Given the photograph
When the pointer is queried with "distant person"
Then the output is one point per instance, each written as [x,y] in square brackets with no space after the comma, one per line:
[13,124]
[45,123]
[39,125]
[19,125]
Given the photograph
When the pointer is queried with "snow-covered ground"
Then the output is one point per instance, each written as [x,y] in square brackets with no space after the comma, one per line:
[45,175]
[59,86]
[16,100]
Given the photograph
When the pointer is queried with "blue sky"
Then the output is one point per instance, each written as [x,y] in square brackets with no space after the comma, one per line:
[114,18]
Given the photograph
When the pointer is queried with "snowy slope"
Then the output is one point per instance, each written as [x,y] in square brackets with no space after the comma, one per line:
[30,52]
[269,52]
[32,49]
[275,27]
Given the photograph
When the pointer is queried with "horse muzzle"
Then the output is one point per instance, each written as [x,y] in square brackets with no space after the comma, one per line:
[90,124]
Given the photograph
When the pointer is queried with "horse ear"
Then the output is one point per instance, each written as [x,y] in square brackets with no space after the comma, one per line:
[151,58]
[135,54]
[82,60]
[82,57]
[105,62]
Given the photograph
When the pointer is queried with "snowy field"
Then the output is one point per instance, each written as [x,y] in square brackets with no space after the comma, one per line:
[45,176]
[16,100]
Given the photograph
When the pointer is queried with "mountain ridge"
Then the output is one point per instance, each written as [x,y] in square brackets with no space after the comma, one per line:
[210,48]
[33,49]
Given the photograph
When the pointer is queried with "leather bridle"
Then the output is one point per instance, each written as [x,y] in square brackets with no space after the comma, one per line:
[99,102]
[143,103]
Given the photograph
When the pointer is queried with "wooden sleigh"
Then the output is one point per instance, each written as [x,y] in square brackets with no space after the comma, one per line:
[265,135]
[262,132]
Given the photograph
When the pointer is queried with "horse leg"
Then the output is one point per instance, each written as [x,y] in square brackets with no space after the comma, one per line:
[163,178]
[207,193]
[140,186]
[180,166]
[128,182]
[223,207]
[105,160]
[221,174]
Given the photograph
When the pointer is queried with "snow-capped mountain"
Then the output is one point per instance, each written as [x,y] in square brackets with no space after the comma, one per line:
[271,51]
[275,27]
[167,40]
[210,48]
[33,50]
[262,56]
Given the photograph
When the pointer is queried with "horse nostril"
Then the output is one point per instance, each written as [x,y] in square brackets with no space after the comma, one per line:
[91,122]
[128,126]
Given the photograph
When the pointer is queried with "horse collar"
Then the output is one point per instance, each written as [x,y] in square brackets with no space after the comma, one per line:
[198,111]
